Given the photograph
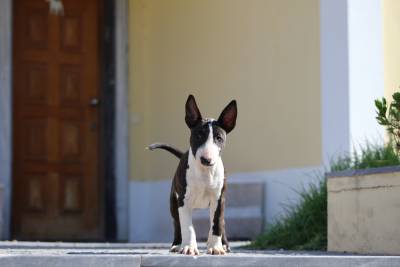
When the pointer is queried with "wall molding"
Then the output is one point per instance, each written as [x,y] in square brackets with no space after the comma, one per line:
[121,119]
[6,112]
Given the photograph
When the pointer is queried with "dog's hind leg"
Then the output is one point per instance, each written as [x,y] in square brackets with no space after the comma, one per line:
[176,244]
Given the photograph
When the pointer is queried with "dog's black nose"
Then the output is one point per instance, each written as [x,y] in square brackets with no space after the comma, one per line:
[205,161]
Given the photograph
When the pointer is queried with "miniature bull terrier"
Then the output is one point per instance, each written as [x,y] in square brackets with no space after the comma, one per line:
[199,180]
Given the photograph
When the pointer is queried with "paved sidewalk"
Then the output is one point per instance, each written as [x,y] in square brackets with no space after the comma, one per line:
[135,255]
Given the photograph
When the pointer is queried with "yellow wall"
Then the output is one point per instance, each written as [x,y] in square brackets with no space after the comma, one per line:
[264,53]
[391,42]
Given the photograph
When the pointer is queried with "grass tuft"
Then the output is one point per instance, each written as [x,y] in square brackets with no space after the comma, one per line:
[304,226]
[369,156]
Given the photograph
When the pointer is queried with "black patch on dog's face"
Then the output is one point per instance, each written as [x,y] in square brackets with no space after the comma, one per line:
[200,133]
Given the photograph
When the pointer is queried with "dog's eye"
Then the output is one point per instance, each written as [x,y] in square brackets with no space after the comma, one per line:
[219,138]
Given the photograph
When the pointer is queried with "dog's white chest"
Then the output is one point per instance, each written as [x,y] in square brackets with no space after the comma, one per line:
[203,184]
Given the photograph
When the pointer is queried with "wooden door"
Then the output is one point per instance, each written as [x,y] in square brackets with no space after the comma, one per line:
[56,186]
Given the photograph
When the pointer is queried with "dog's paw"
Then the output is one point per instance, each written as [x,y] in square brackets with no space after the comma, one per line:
[217,250]
[175,248]
[226,248]
[215,247]
[189,250]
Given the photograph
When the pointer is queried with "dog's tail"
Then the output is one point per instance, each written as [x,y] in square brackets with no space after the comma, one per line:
[167,147]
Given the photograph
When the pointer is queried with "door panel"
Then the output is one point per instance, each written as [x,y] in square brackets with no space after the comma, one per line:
[56,183]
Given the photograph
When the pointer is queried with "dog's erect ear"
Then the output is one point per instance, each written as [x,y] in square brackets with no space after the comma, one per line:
[227,119]
[193,115]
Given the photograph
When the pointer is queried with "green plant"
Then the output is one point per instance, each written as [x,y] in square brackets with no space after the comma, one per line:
[389,116]
[304,227]
[368,156]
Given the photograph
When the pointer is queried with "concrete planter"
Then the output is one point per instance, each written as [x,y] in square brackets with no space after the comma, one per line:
[364,211]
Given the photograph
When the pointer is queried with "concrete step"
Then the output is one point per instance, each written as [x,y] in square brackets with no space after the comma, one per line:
[135,255]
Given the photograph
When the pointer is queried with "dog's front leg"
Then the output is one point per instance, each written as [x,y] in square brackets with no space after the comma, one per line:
[217,224]
[189,244]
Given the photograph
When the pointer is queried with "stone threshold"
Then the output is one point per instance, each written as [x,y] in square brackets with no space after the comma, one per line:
[60,254]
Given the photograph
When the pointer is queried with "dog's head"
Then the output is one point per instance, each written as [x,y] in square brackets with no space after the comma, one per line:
[208,136]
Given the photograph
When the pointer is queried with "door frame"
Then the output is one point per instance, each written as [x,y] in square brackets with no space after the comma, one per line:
[114,137]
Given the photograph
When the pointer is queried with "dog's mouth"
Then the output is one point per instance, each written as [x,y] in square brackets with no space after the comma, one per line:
[206,162]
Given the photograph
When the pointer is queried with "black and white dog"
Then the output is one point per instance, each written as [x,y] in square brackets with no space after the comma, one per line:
[200,181]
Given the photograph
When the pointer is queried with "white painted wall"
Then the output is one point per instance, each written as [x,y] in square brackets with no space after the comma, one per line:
[334,79]
[351,74]
[366,80]
[150,219]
